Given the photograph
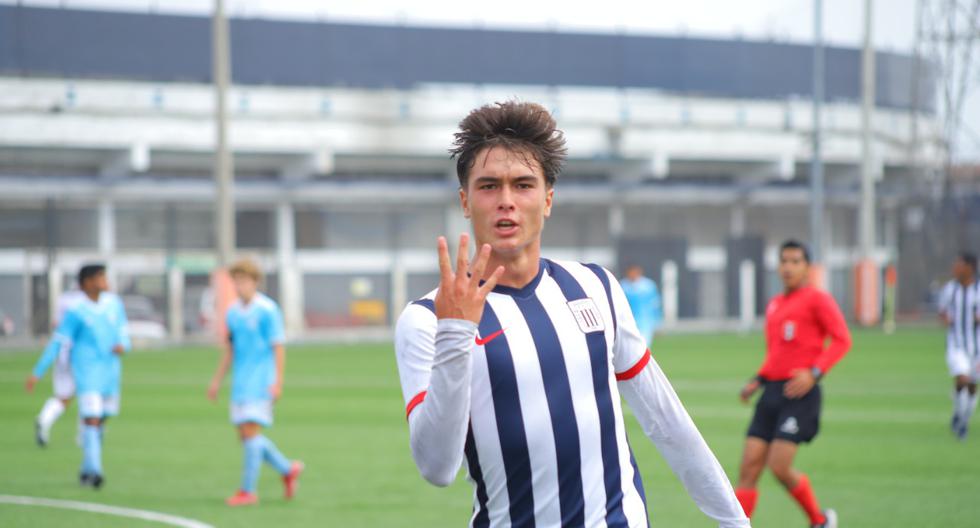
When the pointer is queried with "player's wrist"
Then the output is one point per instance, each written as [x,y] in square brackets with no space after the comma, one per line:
[817,373]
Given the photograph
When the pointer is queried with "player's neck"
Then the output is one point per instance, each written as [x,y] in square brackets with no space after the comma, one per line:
[968,281]
[519,268]
[248,300]
[789,291]
[93,295]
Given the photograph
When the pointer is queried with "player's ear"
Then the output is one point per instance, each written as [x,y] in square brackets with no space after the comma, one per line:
[464,202]
[549,196]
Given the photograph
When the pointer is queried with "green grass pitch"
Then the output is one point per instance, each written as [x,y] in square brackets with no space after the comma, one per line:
[884,457]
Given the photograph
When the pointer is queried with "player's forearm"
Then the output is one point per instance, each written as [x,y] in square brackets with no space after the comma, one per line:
[438,426]
[47,357]
[840,344]
[667,424]
[223,365]
[280,363]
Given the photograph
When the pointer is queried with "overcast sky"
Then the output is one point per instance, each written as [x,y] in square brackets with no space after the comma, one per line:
[782,20]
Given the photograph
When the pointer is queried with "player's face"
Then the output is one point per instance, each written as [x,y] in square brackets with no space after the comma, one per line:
[96,284]
[507,200]
[634,273]
[793,268]
[961,270]
[245,286]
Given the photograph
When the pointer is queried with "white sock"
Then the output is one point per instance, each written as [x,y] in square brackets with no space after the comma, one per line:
[971,406]
[50,412]
[961,402]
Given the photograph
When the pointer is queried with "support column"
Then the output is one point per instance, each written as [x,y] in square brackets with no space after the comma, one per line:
[746,298]
[107,237]
[55,288]
[175,303]
[290,280]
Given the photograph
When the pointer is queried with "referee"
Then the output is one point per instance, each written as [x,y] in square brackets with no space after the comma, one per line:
[798,323]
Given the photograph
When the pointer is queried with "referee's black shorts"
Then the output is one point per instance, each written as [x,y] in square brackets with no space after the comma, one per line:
[782,418]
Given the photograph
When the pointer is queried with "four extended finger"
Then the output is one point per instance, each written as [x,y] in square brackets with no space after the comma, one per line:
[445,265]
[462,258]
[491,282]
[480,266]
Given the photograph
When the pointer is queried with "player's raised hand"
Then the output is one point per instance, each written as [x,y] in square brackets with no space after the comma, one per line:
[460,294]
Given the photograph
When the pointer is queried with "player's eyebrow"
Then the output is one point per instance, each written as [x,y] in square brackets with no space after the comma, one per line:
[496,179]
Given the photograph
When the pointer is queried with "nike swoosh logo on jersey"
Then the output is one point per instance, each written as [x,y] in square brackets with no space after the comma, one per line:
[489,338]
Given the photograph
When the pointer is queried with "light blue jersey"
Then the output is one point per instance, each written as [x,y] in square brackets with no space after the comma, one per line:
[644,300]
[91,329]
[254,329]
[115,374]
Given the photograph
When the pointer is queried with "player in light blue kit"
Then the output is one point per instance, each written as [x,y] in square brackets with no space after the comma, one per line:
[644,300]
[92,330]
[256,353]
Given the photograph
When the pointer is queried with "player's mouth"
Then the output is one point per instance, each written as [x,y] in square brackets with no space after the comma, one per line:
[505,227]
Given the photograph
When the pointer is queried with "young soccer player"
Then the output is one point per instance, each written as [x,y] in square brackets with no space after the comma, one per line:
[92,331]
[959,310]
[516,363]
[644,300]
[256,352]
[798,322]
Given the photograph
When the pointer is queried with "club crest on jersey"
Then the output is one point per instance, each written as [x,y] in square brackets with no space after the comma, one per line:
[587,315]
[789,330]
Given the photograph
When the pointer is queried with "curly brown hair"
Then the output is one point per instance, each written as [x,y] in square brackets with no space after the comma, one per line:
[520,127]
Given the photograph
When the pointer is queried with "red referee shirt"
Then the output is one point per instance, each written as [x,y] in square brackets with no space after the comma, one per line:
[797,326]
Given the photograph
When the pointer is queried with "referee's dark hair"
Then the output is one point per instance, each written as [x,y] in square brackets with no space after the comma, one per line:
[970,259]
[796,244]
[88,271]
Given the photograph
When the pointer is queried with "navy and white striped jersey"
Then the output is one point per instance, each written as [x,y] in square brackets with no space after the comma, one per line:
[546,443]
[962,305]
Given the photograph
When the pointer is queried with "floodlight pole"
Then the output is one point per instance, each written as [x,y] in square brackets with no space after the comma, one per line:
[223,162]
[816,160]
[867,231]
[868,301]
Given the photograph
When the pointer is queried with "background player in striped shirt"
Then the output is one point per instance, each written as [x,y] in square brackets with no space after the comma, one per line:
[92,331]
[959,310]
[798,322]
[256,353]
[522,375]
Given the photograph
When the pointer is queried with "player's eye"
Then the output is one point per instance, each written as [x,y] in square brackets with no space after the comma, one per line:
[488,186]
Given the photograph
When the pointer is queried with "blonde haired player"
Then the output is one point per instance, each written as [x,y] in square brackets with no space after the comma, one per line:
[256,352]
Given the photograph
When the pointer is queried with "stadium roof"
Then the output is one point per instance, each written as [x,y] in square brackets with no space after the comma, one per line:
[71,43]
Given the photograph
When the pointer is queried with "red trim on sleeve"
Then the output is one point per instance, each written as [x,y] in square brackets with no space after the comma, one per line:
[635,369]
[414,403]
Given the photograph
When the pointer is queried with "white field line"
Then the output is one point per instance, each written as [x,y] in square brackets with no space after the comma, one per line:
[145,515]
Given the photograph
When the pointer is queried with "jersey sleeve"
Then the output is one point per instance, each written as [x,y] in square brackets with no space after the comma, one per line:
[435,366]
[63,336]
[415,341]
[630,351]
[122,326]
[944,306]
[274,332]
[831,321]
[667,424]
